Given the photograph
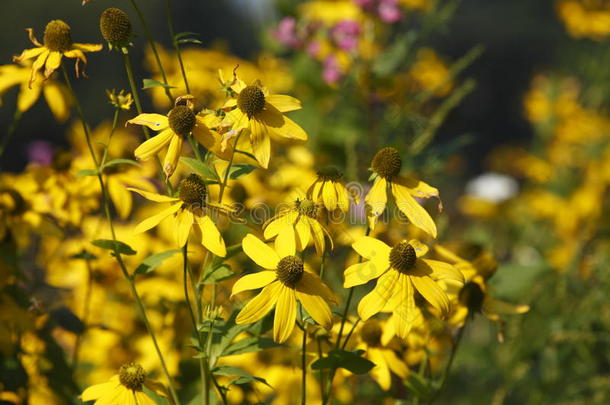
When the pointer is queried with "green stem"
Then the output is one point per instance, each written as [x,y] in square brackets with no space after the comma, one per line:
[153,46]
[454,349]
[322,263]
[303,361]
[10,131]
[170,24]
[117,254]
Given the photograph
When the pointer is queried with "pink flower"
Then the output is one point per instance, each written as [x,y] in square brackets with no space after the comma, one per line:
[365,3]
[313,48]
[286,33]
[345,34]
[40,152]
[389,11]
[332,72]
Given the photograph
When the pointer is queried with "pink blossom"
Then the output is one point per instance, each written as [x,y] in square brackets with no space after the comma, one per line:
[389,11]
[40,152]
[313,48]
[286,33]
[345,34]
[332,72]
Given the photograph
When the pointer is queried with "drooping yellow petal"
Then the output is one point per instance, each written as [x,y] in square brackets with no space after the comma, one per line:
[285,242]
[315,190]
[183,224]
[236,119]
[316,307]
[432,292]
[381,372]
[372,249]
[58,99]
[152,146]
[260,305]
[79,56]
[275,225]
[155,219]
[29,54]
[395,364]
[253,281]
[211,238]
[440,270]
[413,210]
[120,196]
[88,47]
[342,197]
[317,232]
[284,103]
[156,122]
[376,201]
[281,126]
[28,96]
[259,252]
[52,63]
[211,140]
[285,314]
[96,391]
[374,301]
[303,233]
[493,307]
[261,144]
[329,196]
[404,312]
[173,154]
[38,64]
[153,196]
[361,273]
[142,399]
[312,284]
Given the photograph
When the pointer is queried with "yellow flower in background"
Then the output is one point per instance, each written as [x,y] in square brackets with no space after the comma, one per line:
[125,388]
[121,100]
[189,209]
[401,272]
[56,94]
[57,43]
[284,282]
[262,115]
[386,166]
[179,123]
[585,18]
[329,190]
[297,226]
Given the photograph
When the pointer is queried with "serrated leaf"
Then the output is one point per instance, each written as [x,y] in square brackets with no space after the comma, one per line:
[205,171]
[349,360]
[243,376]
[86,172]
[114,245]
[220,273]
[153,261]
[150,83]
[249,345]
[114,162]
[240,169]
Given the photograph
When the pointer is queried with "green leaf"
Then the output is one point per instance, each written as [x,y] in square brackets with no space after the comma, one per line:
[150,83]
[243,376]
[153,261]
[220,273]
[86,172]
[185,34]
[349,360]
[249,345]
[419,386]
[393,58]
[204,170]
[113,245]
[114,162]
[85,255]
[240,169]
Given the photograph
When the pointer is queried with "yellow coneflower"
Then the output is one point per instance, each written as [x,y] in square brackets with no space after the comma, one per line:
[179,123]
[386,166]
[261,113]
[284,282]
[297,225]
[189,209]
[330,190]
[400,272]
[57,43]
[125,388]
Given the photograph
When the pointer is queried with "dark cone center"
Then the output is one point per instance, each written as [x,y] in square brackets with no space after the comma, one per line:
[251,100]
[387,163]
[182,120]
[57,36]
[403,257]
[290,270]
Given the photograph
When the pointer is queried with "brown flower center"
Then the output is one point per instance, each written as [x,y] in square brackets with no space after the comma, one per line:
[132,376]
[57,36]
[251,100]
[290,270]
[472,296]
[115,26]
[403,257]
[371,333]
[387,163]
[329,173]
[182,120]
[193,191]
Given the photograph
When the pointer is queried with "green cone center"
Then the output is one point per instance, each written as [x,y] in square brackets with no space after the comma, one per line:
[57,36]
[251,100]
[132,376]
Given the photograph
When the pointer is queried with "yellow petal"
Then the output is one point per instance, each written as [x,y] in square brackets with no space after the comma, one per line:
[317,233]
[97,391]
[280,125]
[492,307]
[38,64]
[173,154]
[258,251]
[58,99]
[236,119]
[88,47]
[395,364]
[184,223]
[52,63]
[284,103]
[142,399]
[261,144]
[211,238]
[432,292]
[372,249]
[316,307]
[404,312]
[275,225]
[285,242]
[285,314]
[374,301]
[381,372]
[420,248]
[342,197]
[211,140]
[260,305]
[376,200]
[329,196]
[411,208]
[29,54]
[361,273]
[315,190]
[441,270]
[303,233]
[155,219]
[253,281]
[312,284]
[156,122]
[154,145]
[27,96]
[153,196]
[121,198]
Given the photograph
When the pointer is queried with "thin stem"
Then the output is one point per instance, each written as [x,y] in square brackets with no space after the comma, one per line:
[349,334]
[117,254]
[170,25]
[115,119]
[11,130]
[322,263]
[454,349]
[303,360]
[153,46]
